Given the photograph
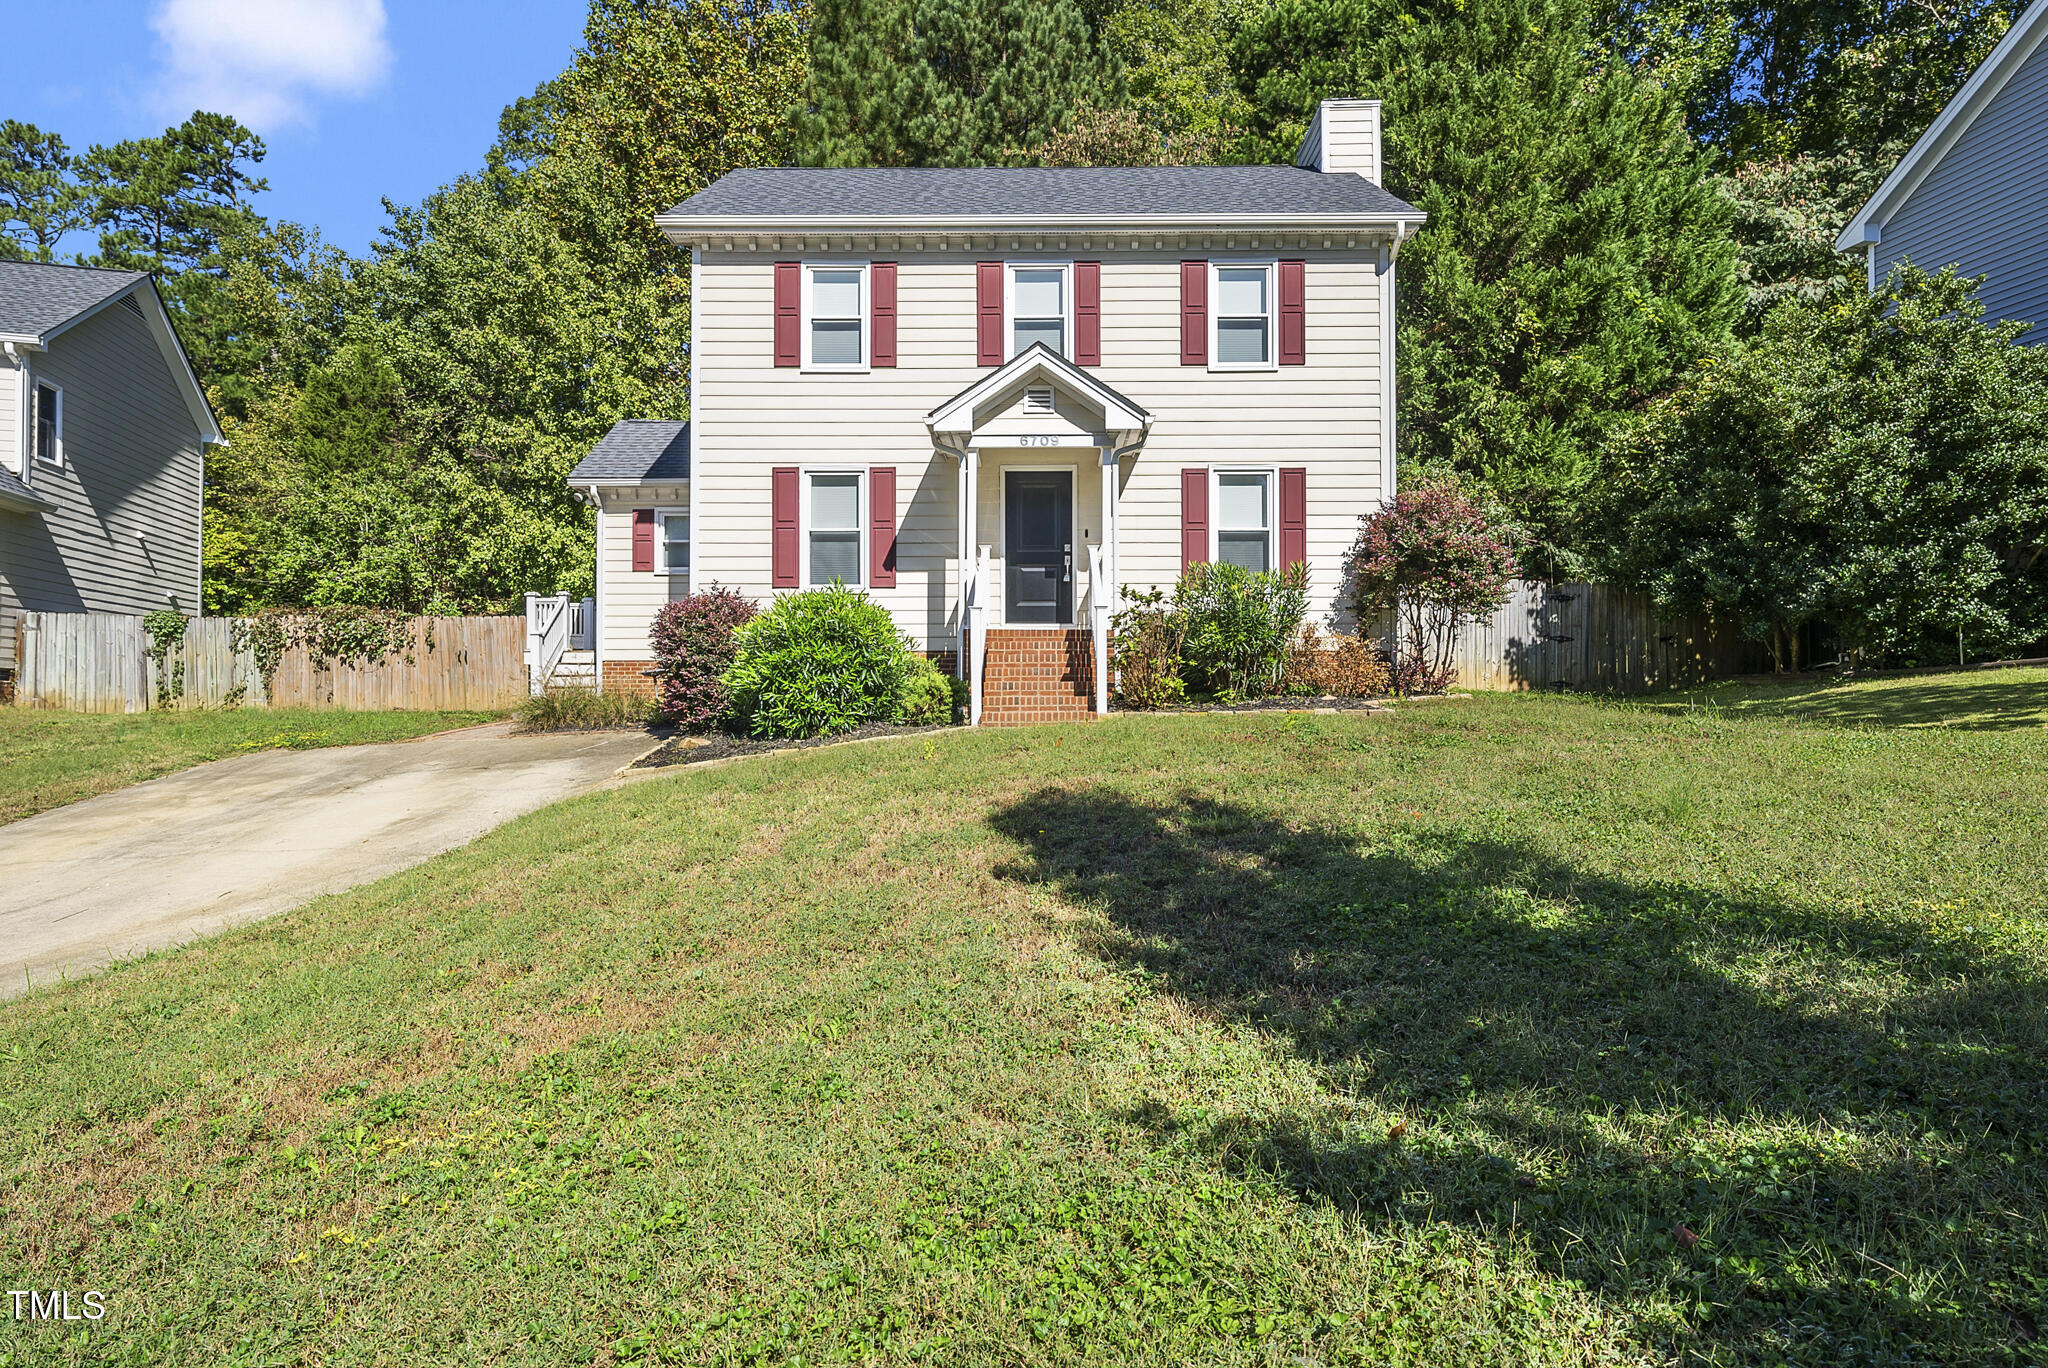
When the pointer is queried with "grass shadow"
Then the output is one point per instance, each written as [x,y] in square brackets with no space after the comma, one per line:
[1960,702]
[1798,1134]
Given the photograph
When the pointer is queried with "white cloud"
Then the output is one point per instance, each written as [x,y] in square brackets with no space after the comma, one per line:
[260,60]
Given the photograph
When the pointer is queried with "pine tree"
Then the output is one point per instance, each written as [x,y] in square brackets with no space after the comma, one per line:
[945,82]
[39,200]
[1575,259]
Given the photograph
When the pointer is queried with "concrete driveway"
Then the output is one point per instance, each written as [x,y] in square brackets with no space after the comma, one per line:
[229,842]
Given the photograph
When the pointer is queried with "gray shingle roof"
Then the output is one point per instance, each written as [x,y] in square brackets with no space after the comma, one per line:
[13,491]
[37,296]
[1195,191]
[637,449]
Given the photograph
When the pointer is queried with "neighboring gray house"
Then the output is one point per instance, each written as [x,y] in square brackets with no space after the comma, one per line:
[103,432]
[1973,191]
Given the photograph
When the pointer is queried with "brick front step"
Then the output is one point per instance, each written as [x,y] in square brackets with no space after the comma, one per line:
[1031,677]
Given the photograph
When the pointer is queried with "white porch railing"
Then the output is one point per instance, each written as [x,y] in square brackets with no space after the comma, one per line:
[974,596]
[583,624]
[1098,626]
[547,637]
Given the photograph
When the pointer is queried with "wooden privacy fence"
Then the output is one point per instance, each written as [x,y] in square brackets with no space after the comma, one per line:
[100,662]
[1591,636]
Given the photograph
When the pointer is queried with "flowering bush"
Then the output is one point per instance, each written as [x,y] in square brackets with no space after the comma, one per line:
[1430,560]
[693,648]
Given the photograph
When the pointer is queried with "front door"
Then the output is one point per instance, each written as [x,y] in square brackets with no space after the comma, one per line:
[1038,546]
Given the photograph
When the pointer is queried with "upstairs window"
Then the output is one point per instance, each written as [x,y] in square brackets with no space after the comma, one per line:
[1244,519]
[49,421]
[835,324]
[835,527]
[1040,307]
[1243,311]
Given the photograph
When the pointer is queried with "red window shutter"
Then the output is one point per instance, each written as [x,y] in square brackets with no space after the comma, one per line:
[1194,317]
[788,313]
[1293,515]
[988,311]
[882,527]
[784,552]
[643,539]
[882,316]
[1194,516]
[1087,313]
[1294,313]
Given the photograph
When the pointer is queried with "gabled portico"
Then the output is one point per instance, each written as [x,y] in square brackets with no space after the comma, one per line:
[1042,446]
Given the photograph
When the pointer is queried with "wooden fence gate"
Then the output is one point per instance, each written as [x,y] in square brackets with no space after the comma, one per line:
[100,662]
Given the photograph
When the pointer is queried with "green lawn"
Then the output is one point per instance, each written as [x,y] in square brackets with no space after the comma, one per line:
[1518,1030]
[50,758]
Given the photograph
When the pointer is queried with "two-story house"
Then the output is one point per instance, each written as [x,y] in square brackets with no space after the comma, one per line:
[103,431]
[1972,192]
[993,397]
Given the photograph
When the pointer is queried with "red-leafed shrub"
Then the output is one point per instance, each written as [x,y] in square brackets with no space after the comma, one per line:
[693,647]
[1432,561]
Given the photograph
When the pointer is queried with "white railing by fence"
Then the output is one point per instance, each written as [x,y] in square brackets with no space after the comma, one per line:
[547,637]
[101,662]
[583,624]
[976,600]
[1098,626]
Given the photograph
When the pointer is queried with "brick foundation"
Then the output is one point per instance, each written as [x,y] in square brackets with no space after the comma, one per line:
[628,677]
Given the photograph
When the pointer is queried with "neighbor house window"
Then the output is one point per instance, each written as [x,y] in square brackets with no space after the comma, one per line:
[1040,304]
[672,534]
[1243,311]
[835,528]
[49,424]
[1244,519]
[835,329]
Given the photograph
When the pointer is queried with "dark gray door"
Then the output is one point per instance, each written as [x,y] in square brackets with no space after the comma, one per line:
[1038,546]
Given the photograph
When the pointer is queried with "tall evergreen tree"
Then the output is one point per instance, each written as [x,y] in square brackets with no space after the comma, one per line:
[39,199]
[1575,258]
[945,82]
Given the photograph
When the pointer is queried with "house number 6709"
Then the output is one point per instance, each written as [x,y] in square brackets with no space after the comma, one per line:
[1042,441]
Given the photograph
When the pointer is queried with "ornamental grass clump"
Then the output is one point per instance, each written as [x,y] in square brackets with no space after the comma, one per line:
[694,645]
[817,663]
[1432,561]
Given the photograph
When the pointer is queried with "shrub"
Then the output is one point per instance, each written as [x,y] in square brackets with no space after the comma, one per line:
[1236,624]
[931,697]
[1145,652]
[1336,666]
[582,710]
[817,663]
[1432,560]
[693,648]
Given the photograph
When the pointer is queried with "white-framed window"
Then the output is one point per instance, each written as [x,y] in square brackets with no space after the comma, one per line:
[1038,305]
[833,530]
[1241,315]
[672,541]
[1243,500]
[49,423]
[835,315]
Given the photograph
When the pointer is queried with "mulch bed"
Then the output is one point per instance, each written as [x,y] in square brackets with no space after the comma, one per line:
[695,750]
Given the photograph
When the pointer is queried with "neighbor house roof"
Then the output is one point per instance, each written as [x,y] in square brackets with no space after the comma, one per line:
[1990,77]
[38,298]
[637,451]
[1024,194]
[16,495]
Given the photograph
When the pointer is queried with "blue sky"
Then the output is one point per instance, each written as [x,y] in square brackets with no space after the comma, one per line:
[356,100]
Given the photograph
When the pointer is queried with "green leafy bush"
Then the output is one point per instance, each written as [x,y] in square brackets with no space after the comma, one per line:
[583,710]
[1236,624]
[931,697]
[817,663]
[1145,652]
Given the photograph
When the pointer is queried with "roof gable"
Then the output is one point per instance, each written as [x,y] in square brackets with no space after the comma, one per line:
[1977,94]
[963,414]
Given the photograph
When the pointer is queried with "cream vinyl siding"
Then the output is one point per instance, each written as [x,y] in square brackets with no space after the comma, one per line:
[10,415]
[125,533]
[751,416]
[630,598]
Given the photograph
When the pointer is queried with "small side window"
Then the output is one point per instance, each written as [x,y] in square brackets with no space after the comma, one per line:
[675,542]
[49,424]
